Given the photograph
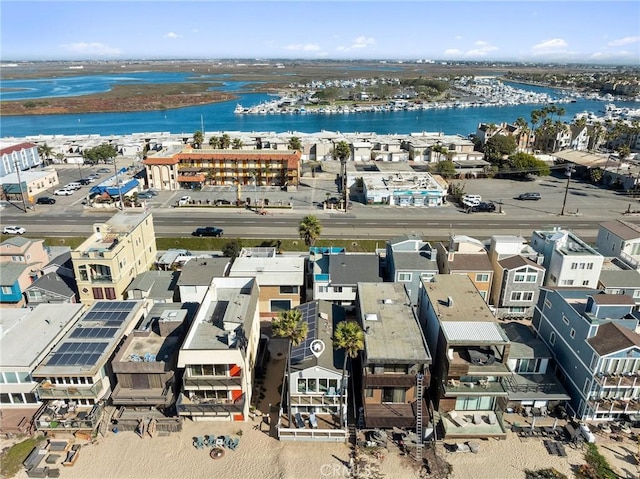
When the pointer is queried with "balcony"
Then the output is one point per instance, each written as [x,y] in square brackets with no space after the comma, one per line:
[47,390]
[142,397]
[392,380]
[315,400]
[211,382]
[479,387]
[65,417]
[101,278]
[209,407]
[615,406]
[624,380]
[388,415]
[466,361]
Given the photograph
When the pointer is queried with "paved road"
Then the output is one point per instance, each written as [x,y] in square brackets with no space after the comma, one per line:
[586,206]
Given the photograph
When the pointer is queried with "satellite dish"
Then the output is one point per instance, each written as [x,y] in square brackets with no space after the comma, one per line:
[317,347]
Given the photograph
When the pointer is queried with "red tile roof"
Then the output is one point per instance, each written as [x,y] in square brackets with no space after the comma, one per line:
[19,147]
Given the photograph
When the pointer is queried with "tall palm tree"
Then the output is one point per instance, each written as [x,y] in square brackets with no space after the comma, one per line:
[214,142]
[343,152]
[290,324]
[237,144]
[198,138]
[45,151]
[309,229]
[350,337]
[225,141]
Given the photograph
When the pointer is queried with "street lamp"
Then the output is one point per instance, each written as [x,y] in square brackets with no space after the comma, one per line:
[255,190]
[569,170]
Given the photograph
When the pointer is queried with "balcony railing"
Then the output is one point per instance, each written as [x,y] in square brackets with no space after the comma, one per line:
[212,382]
[101,278]
[47,390]
[78,419]
[205,407]
[392,379]
[624,380]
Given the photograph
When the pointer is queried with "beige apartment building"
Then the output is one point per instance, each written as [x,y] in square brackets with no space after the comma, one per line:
[113,256]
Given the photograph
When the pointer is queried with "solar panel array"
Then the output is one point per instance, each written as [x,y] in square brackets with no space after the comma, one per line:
[94,333]
[309,315]
[77,354]
[112,312]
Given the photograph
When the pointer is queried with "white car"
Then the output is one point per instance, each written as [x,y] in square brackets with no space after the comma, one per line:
[184,200]
[14,230]
[63,192]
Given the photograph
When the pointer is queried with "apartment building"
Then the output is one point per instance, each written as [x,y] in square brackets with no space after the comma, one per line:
[21,261]
[117,251]
[620,239]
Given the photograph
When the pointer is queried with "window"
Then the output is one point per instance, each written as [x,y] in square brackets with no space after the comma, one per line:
[308,385]
[11,378]
[323,289]
[482,277]
[517,309]
[337,289]
[519,277]
[589,265]
[572,333]
[110,293]
[522,296]
[396,395]
[4,399]
[552,338]
[368,392]
[395,369]
[574,265]
[565,319]
[483,294]
[277,305]
[404,277]
[207,370]
[97,293]
[585,282]
[566,282]
[587,384]
[288,290]
[528,365]
[532,278]
[582,265]
[547,304]
[6,290]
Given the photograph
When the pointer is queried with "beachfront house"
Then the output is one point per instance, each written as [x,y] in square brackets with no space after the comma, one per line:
[396,360]
[219,353]
[27,335]
[618,278]
[21,260]
[117,251]
[75,378]
[154,287]
[568,260]
[145,369]
[409,259]
[336,274]
[52,288]
[196,276]
[471,354]
[315,379]
[593,337]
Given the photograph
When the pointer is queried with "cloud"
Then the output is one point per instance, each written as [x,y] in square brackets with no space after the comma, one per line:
[172,35]
[307,47]
[450,52]
[554,44]
[481,43]
[458,37]
[358,43]
[91,49]
[623,41]
[483,48]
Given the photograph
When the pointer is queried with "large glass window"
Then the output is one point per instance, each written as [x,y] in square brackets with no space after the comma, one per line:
[280,305]
[288,290]
[84,275]
[11,377]
[110,293]
[97,293]
[474,403]
[396,395]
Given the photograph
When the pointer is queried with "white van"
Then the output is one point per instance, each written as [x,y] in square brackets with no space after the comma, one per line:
[471,200]
[73,186]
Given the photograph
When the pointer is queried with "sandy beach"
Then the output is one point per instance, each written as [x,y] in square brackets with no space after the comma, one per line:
[127,456]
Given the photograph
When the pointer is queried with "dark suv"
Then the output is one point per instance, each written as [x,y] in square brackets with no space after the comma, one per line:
[208,231]
[529,196]
[484,206]
[46,200]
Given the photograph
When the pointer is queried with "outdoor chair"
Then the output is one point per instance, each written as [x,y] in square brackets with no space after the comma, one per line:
[233,443]
[461,447]
[313,421]
[198,442]
[492,418]
[219,442]
[459,421]
[299,421]
[211,441]
[477,418]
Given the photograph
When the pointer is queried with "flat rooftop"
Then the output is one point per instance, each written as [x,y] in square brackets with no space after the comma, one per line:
[392,332]
[455,298]
[27,334]
[281,270]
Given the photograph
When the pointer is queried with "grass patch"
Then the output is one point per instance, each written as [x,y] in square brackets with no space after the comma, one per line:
[11,461]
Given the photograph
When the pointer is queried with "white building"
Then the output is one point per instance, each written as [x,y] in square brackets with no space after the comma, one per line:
[620,239]
[14,156]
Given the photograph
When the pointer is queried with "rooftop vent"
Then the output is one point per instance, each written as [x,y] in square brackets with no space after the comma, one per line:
[449,301]
[371,317]
[388,301]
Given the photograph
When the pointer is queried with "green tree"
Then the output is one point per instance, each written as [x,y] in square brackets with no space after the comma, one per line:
[102,152]
[446,169]
[232,249]
[342,151]
[623,151]
[214,142]
[295,144]
[45,151]
[237,144]
[198,138]
[595,175]
[523,164]
[290,324]
[498,147]
[225,141]
[350,337]
[309,229]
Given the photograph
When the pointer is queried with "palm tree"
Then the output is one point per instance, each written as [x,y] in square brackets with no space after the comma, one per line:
[290,324]
[214,142]
[309,229]
[45,151]
[237,144]
[225,141]
[198,138]
[343,151]
[350,337]
[295,144]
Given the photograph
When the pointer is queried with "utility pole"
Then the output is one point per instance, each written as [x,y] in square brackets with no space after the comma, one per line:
[24,203]
[570,170]
[115,168]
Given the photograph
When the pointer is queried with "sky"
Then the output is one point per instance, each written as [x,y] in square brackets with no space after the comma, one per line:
[484,30]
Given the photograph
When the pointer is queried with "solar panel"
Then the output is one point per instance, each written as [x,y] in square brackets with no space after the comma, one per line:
[309,315]
[63,347]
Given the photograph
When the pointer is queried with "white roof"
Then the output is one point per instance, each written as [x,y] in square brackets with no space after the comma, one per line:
[281,270]
[473,331]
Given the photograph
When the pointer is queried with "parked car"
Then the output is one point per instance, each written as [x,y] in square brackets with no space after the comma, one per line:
[73,186]
[208,231]
[145,195]
[45,200]
[86,181]
[223,202]
[94,176]
[529,196]
[63,192]
[152,192]
[484,206]
[104,170]
[14,230]
[184,200]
